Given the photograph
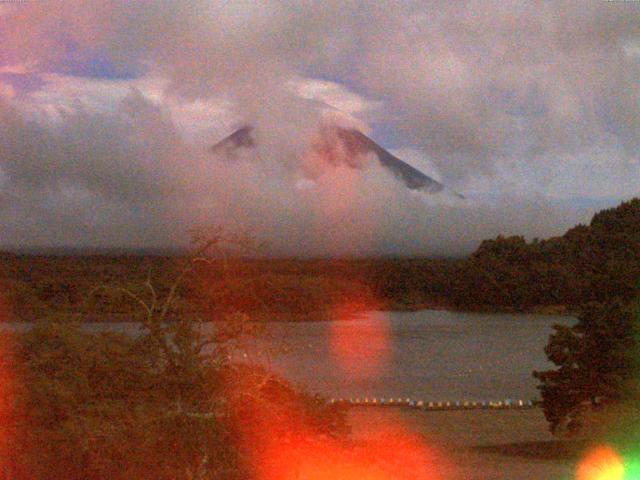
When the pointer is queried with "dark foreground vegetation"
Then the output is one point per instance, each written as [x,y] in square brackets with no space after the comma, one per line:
[76,405]
[596,382]
[589,263]
[593,392]
[171,404]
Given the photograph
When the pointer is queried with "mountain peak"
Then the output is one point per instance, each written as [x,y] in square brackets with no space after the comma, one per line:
[352,142]
[241,138]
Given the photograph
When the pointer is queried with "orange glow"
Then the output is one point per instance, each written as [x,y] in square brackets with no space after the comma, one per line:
[361,349]
[283,442]
[339,186]
[602,463]
[340,198]
[6,393]
[387,454]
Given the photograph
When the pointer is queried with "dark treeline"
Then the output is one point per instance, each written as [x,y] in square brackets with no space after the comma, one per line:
[593,263]
[35,286]
[588,263]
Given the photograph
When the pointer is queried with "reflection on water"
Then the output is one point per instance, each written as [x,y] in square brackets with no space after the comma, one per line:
[431,355]
[434,355]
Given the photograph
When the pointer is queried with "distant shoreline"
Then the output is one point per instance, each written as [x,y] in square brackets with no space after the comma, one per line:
[559,310]
[313,316]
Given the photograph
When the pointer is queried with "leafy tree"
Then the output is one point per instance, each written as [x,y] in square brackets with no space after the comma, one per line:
[596,360]
[594,263]
[166,404]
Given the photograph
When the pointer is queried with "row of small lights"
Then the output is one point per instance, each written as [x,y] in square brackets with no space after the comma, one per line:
[434,405]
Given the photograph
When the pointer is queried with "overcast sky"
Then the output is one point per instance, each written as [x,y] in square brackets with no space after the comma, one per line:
[107,108]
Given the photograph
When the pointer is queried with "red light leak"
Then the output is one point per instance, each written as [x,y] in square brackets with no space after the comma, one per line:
[382,452]
[385,454]
[361,348]
[601,463]
[284,443]
[6,392]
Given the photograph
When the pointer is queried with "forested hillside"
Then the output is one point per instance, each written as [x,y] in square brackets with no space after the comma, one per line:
[597,262]
[594,262]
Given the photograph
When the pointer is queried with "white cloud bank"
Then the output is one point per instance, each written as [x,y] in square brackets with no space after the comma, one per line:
[517,105]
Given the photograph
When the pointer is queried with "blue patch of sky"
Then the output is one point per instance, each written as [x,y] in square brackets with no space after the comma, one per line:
[95,63]
[388,135]
[383,132]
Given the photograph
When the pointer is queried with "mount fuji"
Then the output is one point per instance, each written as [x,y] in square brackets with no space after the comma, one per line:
[338,144]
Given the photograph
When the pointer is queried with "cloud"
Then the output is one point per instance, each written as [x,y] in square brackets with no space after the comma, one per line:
[477,84]
[126,178]
[107,110]
[334,95]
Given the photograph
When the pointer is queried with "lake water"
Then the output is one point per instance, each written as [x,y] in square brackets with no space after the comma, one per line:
[430,355]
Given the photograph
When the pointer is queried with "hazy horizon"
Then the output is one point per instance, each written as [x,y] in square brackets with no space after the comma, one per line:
[529,110]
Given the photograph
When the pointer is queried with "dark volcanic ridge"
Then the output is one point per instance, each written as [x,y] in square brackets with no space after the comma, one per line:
[351,143]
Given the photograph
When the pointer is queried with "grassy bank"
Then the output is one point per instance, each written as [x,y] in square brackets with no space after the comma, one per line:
[480,444]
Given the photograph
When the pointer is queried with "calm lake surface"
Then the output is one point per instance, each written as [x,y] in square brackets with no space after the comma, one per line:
[430,355]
